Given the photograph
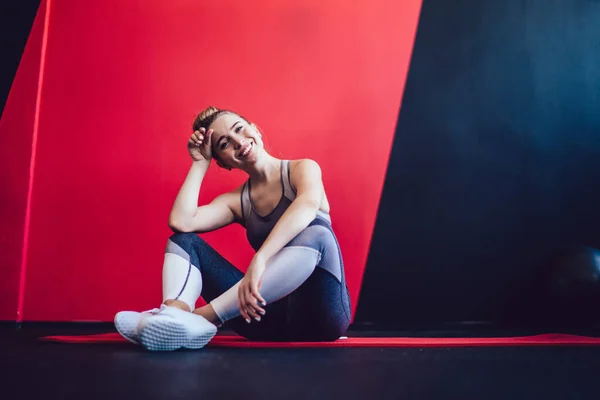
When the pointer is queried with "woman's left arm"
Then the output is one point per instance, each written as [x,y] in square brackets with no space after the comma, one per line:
[306,178]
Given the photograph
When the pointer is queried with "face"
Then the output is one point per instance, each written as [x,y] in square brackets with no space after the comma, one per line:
[236,143]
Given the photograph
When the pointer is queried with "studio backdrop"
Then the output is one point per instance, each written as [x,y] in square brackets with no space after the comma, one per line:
[94,132]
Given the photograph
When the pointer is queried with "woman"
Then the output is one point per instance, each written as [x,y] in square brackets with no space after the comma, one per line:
[294,288]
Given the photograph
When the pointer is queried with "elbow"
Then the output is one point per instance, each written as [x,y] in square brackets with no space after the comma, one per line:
[176,226]
[311,206]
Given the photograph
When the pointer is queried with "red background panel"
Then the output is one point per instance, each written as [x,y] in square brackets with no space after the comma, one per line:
[16,134]
[123,82]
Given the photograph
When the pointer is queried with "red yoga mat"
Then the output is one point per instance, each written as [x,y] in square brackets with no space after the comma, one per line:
[237,341]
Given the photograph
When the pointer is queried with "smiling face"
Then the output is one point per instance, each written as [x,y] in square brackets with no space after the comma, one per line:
[235,142]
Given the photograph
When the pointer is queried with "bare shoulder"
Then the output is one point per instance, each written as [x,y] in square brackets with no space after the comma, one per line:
[233,200]
[306,179]
[305,167]
[305,173]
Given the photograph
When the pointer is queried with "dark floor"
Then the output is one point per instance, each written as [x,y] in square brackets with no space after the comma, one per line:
[32,369]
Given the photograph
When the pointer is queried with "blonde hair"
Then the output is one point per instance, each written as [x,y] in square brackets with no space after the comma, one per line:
[207,117]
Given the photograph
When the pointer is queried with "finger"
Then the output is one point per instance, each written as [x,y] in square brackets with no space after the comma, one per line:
[241,306]
[252,314]
[243,312]
[250,305]
[245,301]
[197,136]
[195,139]
[258,309]
[255,306]
[255,292]
[257,295]
[209,137]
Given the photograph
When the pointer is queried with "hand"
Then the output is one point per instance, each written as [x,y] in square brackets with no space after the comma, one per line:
[248,294]
[199,145]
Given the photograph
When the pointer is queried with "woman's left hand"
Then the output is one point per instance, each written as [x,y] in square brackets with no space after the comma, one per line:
[248,294]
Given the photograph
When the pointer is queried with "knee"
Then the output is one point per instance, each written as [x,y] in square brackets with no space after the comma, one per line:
[315,236]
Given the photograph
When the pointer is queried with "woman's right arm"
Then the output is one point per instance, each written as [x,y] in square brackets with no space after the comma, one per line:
[186,216]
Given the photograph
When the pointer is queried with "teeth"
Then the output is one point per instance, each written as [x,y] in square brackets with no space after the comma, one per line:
[245,152]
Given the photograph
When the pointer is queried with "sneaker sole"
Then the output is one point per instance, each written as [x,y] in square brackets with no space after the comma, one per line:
[117,323]
[169,335]
[199,342]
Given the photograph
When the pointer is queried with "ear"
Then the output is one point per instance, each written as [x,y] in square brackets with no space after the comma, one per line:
[256,128]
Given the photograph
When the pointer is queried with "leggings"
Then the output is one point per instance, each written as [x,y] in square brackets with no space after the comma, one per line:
[303,284]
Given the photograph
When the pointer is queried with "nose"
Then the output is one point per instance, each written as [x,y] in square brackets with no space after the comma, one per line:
[238,142]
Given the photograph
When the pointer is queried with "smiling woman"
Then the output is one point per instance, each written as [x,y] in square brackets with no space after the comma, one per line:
[234,132]
[294,288]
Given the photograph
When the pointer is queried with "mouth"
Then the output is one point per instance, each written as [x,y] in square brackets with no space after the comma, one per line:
[246,150]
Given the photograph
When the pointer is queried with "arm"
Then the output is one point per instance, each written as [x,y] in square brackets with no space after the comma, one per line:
[186,216]
[306,177]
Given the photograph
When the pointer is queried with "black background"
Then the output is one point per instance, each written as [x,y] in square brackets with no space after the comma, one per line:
[495,163]
[16,20]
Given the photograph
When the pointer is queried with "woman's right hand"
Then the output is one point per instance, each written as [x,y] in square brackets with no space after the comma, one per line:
[199,145]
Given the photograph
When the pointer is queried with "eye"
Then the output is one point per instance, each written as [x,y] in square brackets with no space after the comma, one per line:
[238,129]
[224,144]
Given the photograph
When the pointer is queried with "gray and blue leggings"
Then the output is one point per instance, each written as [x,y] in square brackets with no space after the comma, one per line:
[304,286]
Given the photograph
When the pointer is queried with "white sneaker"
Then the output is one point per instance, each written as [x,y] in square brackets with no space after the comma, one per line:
[127,323]
[172,328]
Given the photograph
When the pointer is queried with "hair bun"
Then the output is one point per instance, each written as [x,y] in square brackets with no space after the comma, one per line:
[205,118]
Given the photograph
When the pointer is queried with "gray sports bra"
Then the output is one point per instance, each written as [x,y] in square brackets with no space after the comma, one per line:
[257,226]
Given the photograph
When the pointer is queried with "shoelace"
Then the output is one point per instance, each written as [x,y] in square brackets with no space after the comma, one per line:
[155,311]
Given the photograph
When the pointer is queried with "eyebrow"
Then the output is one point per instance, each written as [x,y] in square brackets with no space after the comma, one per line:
[220,139]
[223,137]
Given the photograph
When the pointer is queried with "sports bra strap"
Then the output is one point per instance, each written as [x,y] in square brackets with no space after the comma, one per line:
[245,200]
[288,190]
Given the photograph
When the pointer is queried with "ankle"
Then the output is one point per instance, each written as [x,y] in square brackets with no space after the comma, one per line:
[209,313]
[177,304]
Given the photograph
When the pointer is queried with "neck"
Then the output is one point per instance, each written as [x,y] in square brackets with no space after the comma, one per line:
[265,170]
